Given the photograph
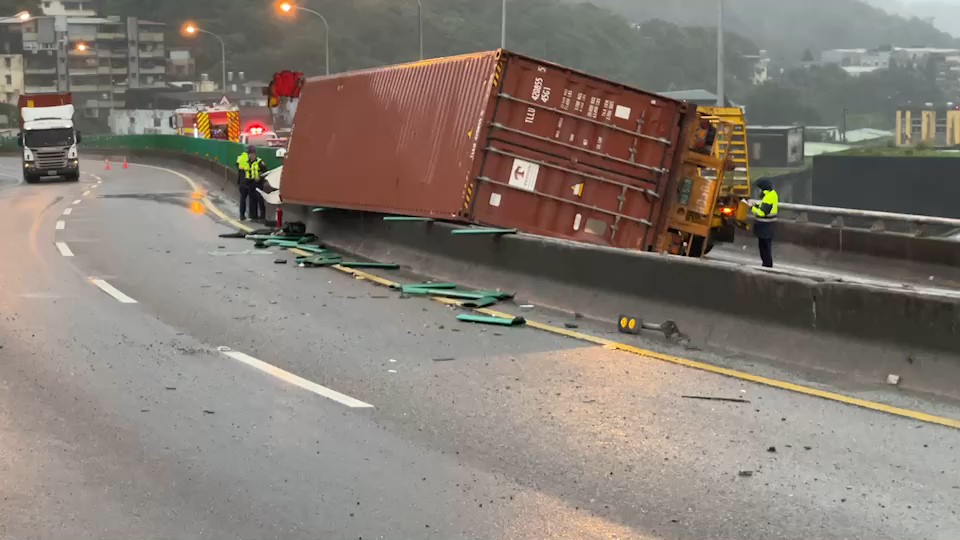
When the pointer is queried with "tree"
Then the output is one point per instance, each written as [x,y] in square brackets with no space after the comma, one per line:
[772,104]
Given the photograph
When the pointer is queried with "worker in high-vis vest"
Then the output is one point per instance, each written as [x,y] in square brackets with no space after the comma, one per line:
[248,167]
[765,220]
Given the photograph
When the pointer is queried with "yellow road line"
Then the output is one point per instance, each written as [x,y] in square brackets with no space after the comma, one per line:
[617,346]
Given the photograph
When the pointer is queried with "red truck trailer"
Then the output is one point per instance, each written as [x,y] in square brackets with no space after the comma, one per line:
[52,99]
[501,139]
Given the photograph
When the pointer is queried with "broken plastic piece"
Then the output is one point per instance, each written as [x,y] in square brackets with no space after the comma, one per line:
[484,319]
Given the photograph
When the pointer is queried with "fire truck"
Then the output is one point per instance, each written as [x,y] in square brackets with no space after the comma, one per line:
[208,122]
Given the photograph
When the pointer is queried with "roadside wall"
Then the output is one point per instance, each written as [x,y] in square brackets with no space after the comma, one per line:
[907,185]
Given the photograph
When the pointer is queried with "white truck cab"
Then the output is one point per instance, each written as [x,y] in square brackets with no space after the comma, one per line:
[49,141]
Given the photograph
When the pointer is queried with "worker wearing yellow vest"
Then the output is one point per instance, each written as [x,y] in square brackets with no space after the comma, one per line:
[765,220]
[249,169]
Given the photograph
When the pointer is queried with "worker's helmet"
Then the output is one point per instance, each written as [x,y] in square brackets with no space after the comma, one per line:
[252,148]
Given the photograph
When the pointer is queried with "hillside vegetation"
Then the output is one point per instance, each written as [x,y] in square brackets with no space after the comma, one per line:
[788,27]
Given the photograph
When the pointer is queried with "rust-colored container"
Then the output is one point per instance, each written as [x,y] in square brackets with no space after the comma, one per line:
[499,139]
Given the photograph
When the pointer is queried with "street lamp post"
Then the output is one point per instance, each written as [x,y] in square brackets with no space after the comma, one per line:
[192,29]
[721,101]
[503,26]
[420,25]
[289,7]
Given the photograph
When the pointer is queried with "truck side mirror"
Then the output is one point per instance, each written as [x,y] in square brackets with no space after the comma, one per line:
[79,137]
[20,140]
[170,121]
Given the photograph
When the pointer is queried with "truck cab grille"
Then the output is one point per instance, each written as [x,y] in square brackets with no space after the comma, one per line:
[51,158]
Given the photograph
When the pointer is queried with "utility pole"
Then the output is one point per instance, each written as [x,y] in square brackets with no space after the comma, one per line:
[721,101]
[503,26]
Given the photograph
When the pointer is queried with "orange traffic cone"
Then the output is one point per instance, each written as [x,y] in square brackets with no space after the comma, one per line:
[107,161]
[125,164]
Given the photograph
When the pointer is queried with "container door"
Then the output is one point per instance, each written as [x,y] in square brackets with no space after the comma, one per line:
[571,156]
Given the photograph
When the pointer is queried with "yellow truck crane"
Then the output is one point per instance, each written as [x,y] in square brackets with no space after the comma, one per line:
[732,144]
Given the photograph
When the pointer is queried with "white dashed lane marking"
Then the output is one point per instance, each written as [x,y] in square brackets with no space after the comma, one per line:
[296,380]
[64,249]
[113,291]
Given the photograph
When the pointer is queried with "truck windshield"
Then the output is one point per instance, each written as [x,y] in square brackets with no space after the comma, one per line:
[48,137]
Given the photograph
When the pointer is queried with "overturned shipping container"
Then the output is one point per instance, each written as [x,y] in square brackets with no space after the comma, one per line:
[505,140]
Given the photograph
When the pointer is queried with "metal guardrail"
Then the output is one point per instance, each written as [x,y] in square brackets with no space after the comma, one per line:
[913,224]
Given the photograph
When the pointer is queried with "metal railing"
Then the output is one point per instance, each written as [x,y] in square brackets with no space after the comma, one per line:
[874,221]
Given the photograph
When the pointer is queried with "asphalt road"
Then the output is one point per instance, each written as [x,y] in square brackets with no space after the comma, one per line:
[125,411]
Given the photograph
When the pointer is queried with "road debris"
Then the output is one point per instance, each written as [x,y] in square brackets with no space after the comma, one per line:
[280,261]
[893,379]
[746,474]
[484,319]
[772,449]
[712,398]
[628,324]
[359,264]
[481,302]
[571,325]
[444,359]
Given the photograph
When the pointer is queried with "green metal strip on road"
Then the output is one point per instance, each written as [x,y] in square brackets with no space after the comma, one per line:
[444,292]
[499,295]
[483,231]
[429,286]
[486,301]
[484,319]
[407,218]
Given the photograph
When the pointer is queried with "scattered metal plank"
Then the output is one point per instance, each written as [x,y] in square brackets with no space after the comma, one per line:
[480,230]
[484,319]
[430,285]
[481,302]
[407,218]
[464,295]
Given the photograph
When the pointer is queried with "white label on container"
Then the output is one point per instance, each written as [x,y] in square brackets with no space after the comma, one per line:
[494,199]
[623,112]
[576,222]
[524,175]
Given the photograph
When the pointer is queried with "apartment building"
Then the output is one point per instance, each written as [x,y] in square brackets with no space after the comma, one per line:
[11,77]
[69,48]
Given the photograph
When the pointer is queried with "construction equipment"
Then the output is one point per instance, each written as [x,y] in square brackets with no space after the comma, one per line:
[732,144]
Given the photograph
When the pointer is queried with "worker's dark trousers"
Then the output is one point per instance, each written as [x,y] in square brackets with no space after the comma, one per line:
[247,191]
[258,207]
[766,251]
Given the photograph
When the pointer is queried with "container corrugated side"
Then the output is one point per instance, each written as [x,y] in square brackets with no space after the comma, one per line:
[573,156]
[399,139]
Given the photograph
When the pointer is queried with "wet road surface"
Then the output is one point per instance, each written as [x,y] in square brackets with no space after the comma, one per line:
[129,406]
